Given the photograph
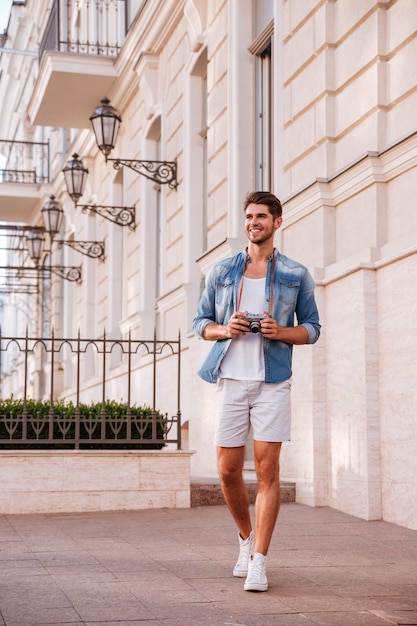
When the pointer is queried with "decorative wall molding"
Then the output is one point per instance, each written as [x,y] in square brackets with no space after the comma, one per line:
[369,169]
[147,71]
[194,12]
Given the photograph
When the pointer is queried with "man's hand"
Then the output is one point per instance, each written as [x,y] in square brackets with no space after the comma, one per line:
[296,335]
[269,328]
[236,326]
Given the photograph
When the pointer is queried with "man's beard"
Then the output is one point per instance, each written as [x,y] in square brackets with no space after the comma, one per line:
[264,236]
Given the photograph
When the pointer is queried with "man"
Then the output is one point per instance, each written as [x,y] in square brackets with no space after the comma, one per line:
[251,366]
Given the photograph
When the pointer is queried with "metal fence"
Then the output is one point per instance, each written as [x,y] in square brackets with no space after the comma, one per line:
[24,422]
[91,27]
[24,162]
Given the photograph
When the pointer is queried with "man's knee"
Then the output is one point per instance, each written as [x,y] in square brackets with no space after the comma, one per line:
[230,464]
[267,471]
[229,476]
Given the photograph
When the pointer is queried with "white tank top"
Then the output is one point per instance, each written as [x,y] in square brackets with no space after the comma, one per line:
[244,359]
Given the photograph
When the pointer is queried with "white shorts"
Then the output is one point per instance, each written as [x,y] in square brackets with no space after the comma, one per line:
[244,403]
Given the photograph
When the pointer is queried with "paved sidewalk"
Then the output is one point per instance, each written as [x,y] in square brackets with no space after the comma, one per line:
[174,567]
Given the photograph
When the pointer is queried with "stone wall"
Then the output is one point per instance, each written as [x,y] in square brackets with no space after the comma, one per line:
[48,481]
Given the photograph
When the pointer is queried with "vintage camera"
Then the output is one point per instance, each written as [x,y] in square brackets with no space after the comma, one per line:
[254,320]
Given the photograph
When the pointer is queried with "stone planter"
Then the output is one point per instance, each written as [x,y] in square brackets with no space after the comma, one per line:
[49,481]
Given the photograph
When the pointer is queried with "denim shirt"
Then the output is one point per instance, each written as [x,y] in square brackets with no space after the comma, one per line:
[293,294]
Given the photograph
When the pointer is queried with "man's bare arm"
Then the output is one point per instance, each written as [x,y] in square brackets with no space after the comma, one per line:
[237,326]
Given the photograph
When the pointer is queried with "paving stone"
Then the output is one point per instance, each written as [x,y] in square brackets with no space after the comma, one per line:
[173,567]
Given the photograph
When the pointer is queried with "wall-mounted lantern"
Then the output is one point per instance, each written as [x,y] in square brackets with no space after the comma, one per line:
[75,175]
[106,123]
[53,214]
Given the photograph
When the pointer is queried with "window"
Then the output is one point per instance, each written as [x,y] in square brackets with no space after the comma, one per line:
[263,12]
[264,119]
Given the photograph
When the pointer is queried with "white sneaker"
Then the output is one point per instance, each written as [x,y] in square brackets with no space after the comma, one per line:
[246,546]
[256,579]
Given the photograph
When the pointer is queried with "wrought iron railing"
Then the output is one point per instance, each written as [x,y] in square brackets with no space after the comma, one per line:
[24,162]
[83,428]
[91,27]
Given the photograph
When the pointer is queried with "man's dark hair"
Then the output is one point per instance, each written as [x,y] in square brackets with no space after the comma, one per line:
[264,197]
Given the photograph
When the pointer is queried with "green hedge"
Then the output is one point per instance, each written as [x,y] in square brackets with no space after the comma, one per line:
[11,412]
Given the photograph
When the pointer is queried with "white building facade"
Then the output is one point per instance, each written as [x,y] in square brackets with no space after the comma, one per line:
[312,99]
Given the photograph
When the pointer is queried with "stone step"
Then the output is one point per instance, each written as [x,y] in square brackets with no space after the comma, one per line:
[210,493]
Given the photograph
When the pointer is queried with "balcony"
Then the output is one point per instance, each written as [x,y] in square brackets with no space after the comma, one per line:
[24,165]
[77,53]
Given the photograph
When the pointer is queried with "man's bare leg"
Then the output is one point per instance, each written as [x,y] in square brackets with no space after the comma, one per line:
[268,497]
[235,492]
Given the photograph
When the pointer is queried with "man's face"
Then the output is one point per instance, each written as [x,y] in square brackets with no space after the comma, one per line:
[260,226]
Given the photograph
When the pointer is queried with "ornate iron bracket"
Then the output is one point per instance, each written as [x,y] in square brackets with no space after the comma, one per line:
[162,172]
[121,215]
[92,249]
[70,273]
[73,274]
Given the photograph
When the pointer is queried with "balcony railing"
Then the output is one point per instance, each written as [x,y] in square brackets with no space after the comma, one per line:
[86,363]
[91,27]
[24,162]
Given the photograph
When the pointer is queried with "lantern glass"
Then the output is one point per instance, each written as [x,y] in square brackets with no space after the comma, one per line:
[106,123]
[75,175]
[34,243]
[52,214]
